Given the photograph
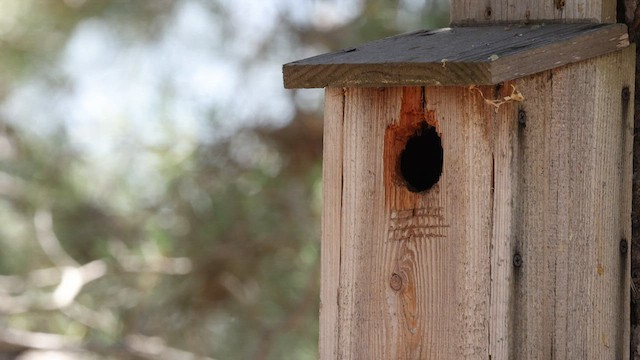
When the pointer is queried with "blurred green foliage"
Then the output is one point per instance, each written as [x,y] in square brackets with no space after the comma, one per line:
[204,245]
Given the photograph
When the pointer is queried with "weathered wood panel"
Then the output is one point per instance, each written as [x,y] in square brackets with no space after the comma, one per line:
[572,207]
[533,302]
[504,186]
[483,55]
[331,222]
[465,12]
[413,266]
[363,311]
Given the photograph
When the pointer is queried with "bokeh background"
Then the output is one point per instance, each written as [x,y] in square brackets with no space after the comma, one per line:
[160,191]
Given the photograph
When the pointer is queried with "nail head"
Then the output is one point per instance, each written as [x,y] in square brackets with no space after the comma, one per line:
[624,246]
[626,93]
[522,117]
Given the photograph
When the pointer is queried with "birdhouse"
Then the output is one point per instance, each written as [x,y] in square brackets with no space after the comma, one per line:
[477,193]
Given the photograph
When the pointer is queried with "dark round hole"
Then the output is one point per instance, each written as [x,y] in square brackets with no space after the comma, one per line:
[421,159]
[488,12]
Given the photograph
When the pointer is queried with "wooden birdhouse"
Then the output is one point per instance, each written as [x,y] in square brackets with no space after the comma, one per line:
[477,188]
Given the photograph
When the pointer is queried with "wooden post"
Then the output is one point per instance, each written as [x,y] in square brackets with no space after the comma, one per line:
[464,12]
[477,188]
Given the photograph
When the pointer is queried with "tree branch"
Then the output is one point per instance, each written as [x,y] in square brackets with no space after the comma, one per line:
[49,241]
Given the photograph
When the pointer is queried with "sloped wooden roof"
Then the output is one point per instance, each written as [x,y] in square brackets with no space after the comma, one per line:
[457,56]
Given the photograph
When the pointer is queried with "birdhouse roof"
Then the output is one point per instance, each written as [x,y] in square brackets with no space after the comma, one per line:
[457,56]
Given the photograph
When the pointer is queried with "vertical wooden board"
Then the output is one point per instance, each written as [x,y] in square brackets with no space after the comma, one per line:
[611,209]
[492,11]
[533,302]
[463,120]
[574,170]
[363,280]
[331,222]
[571,170]
[587,100]
[504,184]
[414,267]
[417,256]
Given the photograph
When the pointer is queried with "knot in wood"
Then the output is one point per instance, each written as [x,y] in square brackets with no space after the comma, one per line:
[396,282]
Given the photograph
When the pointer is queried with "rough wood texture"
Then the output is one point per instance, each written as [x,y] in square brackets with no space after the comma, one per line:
[464,56]
[465,12]
[573,205]
[505,227]
[431,275]
[413,267]
[331,221]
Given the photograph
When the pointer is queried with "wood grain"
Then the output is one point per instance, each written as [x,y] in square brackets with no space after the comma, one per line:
[413,266]
[504,225]
[459,56]
[572,209]
[331,222]
[464,12]
[363,281]
[533,301]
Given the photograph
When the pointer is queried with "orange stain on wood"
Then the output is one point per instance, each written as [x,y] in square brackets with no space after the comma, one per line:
[413,113]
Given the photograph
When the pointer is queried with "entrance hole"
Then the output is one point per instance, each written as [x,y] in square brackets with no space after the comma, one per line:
[421,159]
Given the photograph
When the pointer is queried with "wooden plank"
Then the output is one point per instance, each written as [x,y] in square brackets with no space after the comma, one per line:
[457,56]
[613,132]
[572,209]
[331,222]
[466,188]
[413,266]
[627,137]
[466,12]
[430,275]
[505,129]
[533,300]
[363,283]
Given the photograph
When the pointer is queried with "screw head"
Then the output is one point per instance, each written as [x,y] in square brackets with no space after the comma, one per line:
[522,117]
[626,94]
[488,12]
[517,260]
[624,246]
